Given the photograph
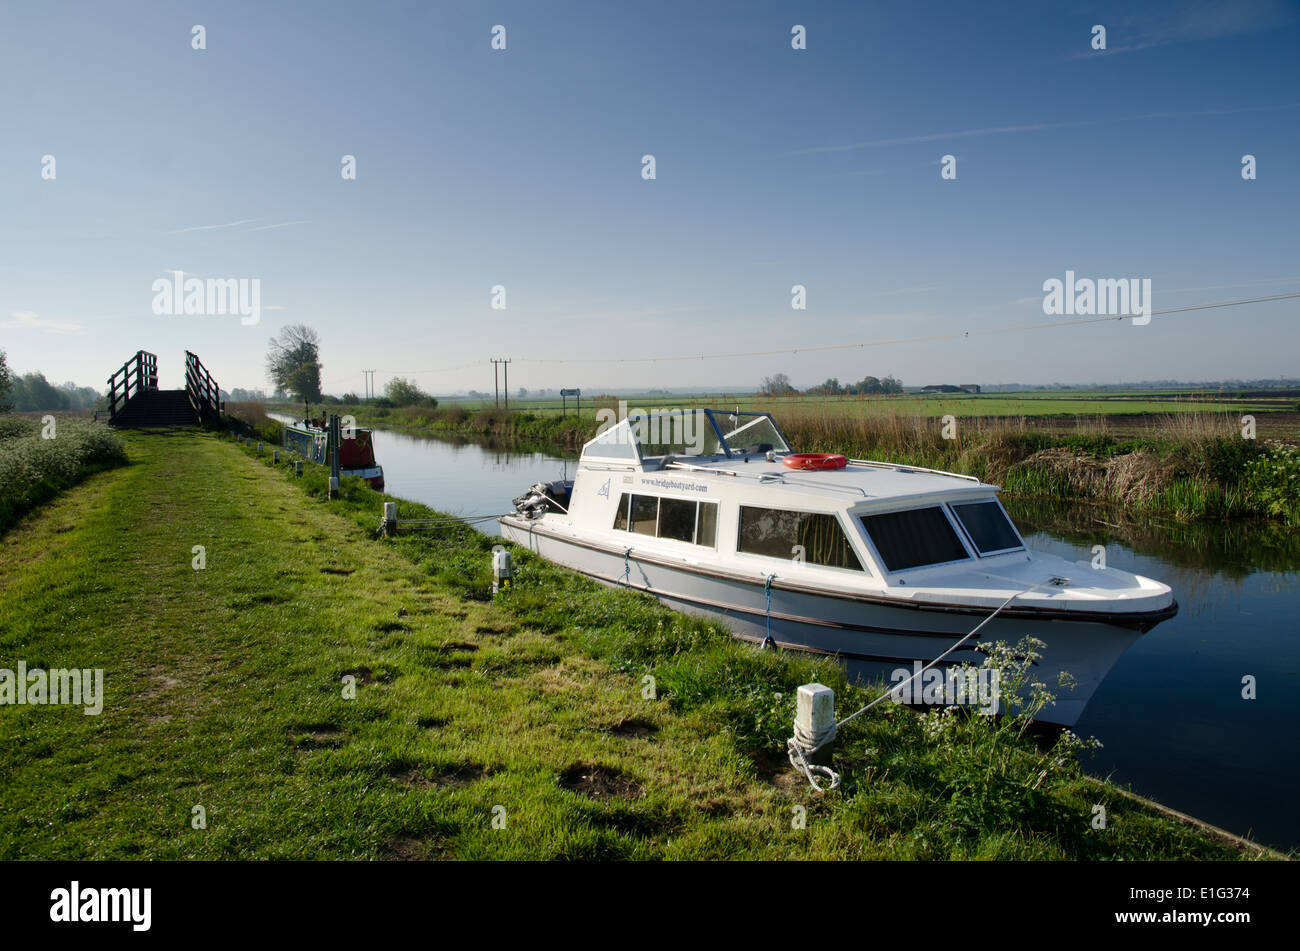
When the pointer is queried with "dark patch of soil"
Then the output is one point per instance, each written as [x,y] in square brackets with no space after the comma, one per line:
[600,783]
[635,727]
[451,777]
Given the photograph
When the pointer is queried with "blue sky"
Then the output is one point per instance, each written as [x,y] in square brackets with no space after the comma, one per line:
[775,167]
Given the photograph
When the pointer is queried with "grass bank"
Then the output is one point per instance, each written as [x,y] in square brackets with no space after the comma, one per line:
[39,460]
[516,727]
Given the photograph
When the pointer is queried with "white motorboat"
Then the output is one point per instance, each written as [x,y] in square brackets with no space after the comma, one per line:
[881,565]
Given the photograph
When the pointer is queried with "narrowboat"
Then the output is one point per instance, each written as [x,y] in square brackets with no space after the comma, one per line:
[310,439]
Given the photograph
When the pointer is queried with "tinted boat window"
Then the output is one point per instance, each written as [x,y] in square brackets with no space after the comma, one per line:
[913,538]
[645,514]
[987,525]
[706,532]
[776,532]
[677,519]
[620,515]
[683,520]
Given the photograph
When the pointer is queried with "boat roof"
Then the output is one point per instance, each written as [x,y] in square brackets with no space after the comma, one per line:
[725,438]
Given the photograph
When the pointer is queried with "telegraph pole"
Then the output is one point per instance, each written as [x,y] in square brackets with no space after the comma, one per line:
[496,388]
[507,363]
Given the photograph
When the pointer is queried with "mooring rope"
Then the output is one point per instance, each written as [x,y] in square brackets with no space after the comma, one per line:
[767,590]
[802,744]
[627,567]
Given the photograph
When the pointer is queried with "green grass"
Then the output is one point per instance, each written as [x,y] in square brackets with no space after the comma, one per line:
[39,460]
[224,689]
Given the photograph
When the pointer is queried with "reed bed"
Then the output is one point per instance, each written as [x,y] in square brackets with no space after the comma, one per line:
[1188,465]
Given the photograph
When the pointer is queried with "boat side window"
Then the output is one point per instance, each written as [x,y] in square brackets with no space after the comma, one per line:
[645,515]
[677,519]
[706,524]
[683,520]
[620,514]
[914,538]
[987,526]
[813,537]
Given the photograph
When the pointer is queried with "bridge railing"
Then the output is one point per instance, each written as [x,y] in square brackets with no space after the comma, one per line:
[137,374]
[204,394]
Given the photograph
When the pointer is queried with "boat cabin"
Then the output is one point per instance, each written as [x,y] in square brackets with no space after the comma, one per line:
[714,486]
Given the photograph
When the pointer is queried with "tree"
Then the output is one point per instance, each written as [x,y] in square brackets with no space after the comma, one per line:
[6,384]
[293,362]
[404,392]
[776,385]
[33,392]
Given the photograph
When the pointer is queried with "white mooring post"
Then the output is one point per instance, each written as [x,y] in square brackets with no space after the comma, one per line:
[390,518]
[503,569]
[814,717]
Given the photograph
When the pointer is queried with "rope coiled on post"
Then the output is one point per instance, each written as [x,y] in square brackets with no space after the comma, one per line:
[802,745]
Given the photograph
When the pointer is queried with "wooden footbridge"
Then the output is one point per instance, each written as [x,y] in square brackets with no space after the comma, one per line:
[135,402]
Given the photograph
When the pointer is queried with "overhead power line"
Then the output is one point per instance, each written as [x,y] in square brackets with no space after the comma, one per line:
[953,335]
[921,339]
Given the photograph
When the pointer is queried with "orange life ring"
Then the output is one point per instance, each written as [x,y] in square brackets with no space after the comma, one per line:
[816,460]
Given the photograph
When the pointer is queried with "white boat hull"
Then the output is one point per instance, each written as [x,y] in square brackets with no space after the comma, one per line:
[871,637]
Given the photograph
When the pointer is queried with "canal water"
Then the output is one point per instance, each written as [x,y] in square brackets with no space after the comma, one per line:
[1171,715]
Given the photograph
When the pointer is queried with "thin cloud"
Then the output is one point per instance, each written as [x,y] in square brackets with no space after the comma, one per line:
[1031,127]
[1194,23]
[282,224]
[229,224]
[27,320]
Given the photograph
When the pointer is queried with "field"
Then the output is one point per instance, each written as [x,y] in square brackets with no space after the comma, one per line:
[1021,403]
[1122,413]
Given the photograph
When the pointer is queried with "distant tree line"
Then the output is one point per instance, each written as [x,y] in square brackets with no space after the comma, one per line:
[779,385]
[31,392]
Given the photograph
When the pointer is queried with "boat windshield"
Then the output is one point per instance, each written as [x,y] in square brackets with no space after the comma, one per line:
[687,433]
[748,432]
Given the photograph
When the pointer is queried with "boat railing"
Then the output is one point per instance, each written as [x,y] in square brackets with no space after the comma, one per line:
[905,468]
[691,467]
[781,478]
